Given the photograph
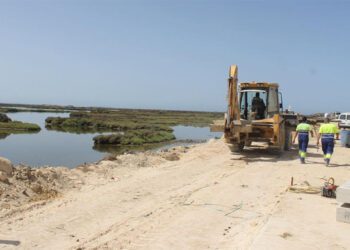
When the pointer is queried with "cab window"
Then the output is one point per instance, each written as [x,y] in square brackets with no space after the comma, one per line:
[273,103]
[246,103]
[342,117]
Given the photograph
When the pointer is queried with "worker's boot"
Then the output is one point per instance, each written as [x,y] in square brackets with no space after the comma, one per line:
[326,161]
[302,160]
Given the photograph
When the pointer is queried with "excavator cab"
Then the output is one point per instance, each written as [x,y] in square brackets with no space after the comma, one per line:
[253,104]
[259,101]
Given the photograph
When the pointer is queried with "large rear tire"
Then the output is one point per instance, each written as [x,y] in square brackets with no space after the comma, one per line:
[288,139]
[237,147]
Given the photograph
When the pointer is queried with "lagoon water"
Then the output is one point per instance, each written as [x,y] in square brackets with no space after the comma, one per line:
[68,149]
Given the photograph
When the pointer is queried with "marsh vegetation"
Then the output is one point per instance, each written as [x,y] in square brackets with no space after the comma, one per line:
[68,146]
[137,126]
[7,126]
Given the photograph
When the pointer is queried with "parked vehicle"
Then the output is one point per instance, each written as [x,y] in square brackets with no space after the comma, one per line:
[344,120]
[334,116]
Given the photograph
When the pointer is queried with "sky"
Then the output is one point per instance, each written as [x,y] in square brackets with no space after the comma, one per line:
[173,54]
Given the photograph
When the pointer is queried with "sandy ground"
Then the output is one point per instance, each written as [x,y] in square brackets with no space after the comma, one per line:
[203,197]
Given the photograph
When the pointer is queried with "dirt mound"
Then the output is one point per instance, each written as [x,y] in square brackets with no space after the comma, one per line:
[6,167]
[31,184]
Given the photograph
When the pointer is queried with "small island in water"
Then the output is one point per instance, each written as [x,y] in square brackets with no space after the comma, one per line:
[7,126]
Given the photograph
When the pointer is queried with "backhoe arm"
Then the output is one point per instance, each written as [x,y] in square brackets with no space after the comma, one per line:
[232,109]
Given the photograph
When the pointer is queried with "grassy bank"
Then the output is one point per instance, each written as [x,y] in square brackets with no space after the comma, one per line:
[138,137]
[7,126]
[122,120]
[99,124]
[16,110]
[16,126]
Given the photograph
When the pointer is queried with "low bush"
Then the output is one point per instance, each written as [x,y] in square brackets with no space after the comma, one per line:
[137,137]
[18,126]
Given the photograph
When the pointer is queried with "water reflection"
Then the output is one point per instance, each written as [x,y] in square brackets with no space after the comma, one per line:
[73,130]
[3,135]
[115,149]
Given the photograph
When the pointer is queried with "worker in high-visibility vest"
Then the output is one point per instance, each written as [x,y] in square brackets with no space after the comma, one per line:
[302,131]
[327,132]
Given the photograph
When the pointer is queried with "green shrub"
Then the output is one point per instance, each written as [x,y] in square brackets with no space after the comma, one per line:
[136,137]
[18,126]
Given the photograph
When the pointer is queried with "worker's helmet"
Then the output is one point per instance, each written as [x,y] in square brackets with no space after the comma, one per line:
[327,117]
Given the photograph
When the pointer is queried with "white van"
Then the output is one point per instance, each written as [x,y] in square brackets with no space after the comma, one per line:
[344,120]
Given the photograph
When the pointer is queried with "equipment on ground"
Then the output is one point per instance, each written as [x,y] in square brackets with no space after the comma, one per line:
[345,138]
[303,188]
[329,189]
[255,114]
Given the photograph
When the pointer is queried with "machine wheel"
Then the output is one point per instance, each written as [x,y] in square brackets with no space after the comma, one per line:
[237,147]
[287,139]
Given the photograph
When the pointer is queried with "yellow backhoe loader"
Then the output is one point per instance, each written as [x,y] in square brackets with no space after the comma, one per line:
[255,114]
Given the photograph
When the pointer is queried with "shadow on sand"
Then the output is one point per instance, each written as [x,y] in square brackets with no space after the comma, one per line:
[265,154]
[10,242]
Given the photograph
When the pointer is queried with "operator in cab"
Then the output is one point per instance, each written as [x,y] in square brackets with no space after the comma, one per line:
[302,131]
[258,106]
[327,132]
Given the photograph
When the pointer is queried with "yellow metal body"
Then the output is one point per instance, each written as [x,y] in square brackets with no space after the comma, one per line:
[242,132]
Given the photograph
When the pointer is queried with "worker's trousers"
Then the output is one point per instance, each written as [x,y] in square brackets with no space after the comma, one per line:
[327,147]
[303,139]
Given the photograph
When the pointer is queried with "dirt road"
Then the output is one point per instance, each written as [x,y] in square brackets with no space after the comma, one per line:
[208,199]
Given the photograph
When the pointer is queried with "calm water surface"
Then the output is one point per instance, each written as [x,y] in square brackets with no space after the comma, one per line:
[68,149]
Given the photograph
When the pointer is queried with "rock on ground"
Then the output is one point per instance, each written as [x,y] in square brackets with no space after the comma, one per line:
[4,118]
[6,166]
